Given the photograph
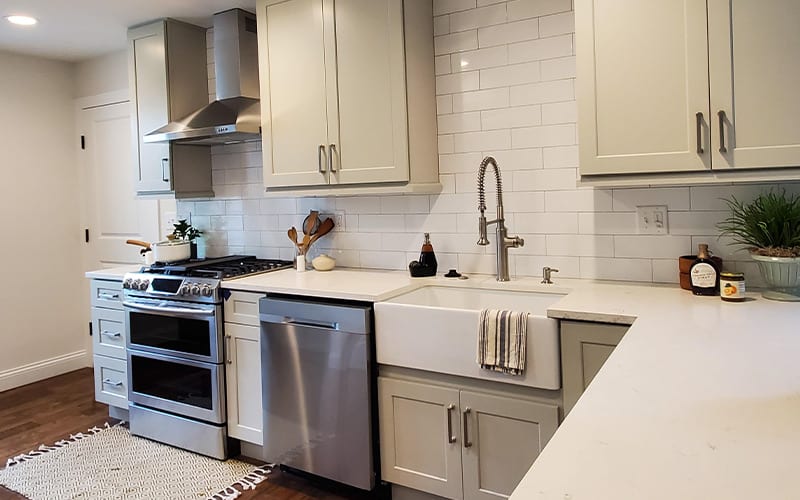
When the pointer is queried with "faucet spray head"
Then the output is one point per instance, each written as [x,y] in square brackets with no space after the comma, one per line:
[482,238]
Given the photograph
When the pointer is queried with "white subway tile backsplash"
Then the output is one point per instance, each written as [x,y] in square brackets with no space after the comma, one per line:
[480,100]
[616,269]
[542,92]
[448,6]
[580,245]
[505,87]
[459,122]
[651,247]
[519,31]
[455,42]
[521,116]
[459,82]
[540,49]
[478,18]
[520,9]
[481,141]
[506,76]
[546,135]
[557,24]
[479,59]
[578,200]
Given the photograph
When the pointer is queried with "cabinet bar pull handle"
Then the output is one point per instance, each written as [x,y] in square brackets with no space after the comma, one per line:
[699,122]
[109,296]
[331,153]
[450,437]
[108,381]
[228,350]
[721,115]
[467,442]
[320,154]
[107,333]
[164,163]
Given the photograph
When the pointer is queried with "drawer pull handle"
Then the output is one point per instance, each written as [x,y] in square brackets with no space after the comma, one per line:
[467,442]
[722,148]
[320,162]
[331,153]
[109,296]
[164,169]
[107,333]
[116,383]
[450,437]
[699,123]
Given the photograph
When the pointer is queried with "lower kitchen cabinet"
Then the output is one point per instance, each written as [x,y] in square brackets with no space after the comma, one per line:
[458,443]
[243,378]
[243,366]
[111,381]
[585,347]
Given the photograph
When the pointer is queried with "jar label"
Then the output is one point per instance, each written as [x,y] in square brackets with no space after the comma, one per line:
[732,289]
[704,275]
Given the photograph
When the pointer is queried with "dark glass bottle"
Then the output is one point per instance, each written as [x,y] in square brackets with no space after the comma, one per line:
[704,273]
[427,259]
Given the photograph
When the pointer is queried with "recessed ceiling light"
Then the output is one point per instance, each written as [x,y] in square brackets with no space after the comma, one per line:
[22,20]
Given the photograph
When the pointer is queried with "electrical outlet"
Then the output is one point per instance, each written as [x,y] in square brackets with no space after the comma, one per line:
[652,220]
[338,220]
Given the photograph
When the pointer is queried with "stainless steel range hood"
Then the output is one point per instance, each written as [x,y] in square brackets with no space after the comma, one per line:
[236,114]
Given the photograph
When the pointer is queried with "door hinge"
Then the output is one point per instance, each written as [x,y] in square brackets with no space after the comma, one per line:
[83,142]
[86,234]
[90,329]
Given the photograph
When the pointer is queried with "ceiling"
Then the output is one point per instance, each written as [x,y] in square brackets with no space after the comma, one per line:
[81,29]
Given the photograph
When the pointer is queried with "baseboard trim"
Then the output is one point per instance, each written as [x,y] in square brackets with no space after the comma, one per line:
[40,370]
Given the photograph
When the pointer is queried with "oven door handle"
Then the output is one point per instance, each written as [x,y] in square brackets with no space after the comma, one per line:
[170,310]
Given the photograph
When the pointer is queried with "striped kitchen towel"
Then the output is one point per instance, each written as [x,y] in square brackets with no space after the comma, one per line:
[502,336]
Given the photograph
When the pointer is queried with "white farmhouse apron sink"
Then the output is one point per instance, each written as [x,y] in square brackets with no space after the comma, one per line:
[435,328]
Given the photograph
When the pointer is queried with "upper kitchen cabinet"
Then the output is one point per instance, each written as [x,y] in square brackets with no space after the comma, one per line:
[341,80]
[168,80]
[687,86]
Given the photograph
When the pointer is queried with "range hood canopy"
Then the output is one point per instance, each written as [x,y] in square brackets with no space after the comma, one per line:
[236,114]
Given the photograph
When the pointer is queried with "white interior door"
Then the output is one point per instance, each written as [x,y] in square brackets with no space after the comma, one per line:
[113,212]
[753,52]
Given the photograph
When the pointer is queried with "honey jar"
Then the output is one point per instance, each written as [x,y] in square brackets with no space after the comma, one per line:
[731,287]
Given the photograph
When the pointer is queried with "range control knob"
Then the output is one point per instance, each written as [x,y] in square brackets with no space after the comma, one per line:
[184,290]
[195,289]
[144,284]
[135,285]
[206,291]
[126,284]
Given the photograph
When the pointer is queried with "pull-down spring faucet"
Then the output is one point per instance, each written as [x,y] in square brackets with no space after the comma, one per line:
[504,242]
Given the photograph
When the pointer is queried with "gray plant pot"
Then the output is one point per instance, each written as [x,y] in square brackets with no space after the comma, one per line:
[782,276]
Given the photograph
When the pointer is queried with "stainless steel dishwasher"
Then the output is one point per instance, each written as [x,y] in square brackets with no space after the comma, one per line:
[317,388]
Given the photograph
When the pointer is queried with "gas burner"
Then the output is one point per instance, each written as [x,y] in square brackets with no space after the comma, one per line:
[234,266]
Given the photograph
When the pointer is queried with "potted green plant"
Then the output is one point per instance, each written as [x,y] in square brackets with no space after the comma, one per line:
[185,231]
[769,226]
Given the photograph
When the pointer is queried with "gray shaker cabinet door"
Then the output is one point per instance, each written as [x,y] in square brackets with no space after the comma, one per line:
[419,448]
[502,436]
[585,347]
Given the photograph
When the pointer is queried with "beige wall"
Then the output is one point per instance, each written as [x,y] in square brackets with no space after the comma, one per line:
[101,74]
[42,330]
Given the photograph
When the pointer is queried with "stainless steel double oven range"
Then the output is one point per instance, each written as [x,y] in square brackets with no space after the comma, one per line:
[176,351]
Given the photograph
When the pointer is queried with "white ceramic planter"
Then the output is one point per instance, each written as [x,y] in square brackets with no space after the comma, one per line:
[782,276]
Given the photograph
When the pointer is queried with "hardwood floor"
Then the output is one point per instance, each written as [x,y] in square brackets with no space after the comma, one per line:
[50,410]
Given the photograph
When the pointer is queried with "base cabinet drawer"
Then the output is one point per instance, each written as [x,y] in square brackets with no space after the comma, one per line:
[459,443]
[111,381]
[108,332]
[106,294]
[242,307]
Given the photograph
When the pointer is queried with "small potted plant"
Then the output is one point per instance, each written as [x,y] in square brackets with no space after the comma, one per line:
[769,226]
[185,231]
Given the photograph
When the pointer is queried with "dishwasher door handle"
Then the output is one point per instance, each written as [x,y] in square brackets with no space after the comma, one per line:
[286,320]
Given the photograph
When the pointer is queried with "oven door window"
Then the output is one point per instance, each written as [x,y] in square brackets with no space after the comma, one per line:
[171,333]
[172,381]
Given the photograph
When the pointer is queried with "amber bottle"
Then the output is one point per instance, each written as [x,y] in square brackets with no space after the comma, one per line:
[704,273]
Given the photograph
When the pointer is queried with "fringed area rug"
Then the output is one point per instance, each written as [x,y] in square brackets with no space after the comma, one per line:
[109,463]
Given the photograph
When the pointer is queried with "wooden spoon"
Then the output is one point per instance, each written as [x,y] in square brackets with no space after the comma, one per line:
[324,228]
[309,229]
[292,233]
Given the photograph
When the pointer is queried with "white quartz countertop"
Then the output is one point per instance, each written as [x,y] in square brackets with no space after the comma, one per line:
[113,273]
[350,284]
[700,400]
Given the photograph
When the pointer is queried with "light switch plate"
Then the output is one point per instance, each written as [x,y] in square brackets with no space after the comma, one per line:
[652,219]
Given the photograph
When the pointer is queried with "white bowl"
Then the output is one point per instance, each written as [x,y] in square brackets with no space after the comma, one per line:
[324,263]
